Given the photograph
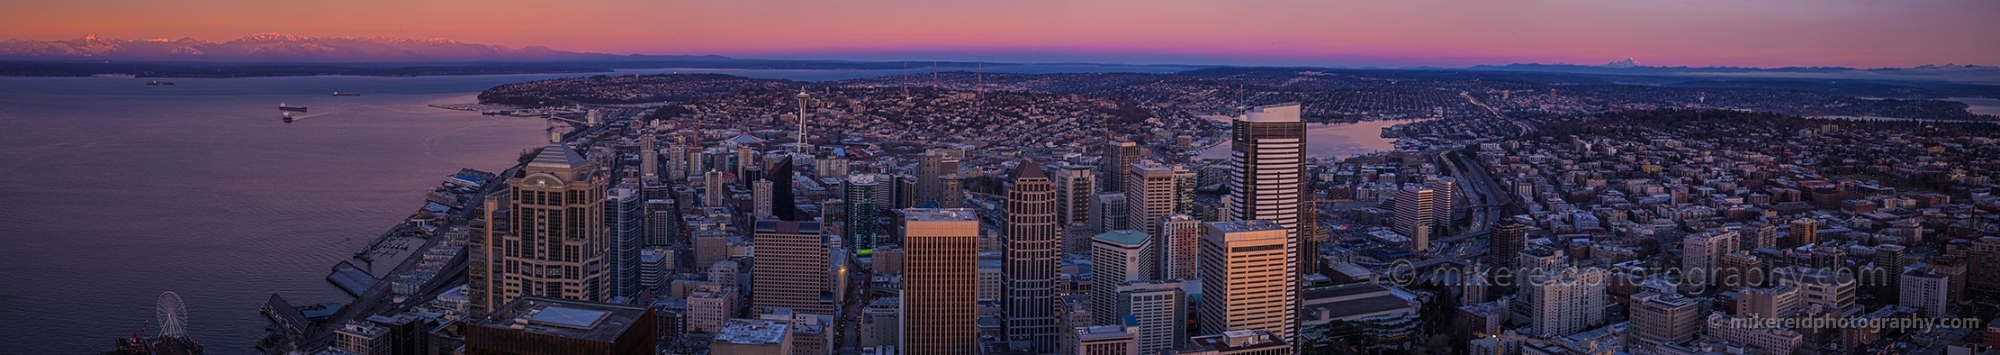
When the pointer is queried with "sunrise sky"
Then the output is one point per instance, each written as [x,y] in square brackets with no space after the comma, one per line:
[1391,33]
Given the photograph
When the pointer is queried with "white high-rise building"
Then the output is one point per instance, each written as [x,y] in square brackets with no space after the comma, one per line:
[1444,201]
[1701,255]
[760,199]
[1117,257]
[1414,215]
[1104,340]
[1566,301]
[1268,179]
[1159,310]
[1151,193]
[1249,281]
[1925,290]
[1179,240]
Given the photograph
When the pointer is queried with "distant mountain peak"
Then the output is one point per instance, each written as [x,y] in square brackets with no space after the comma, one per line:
[1627,63]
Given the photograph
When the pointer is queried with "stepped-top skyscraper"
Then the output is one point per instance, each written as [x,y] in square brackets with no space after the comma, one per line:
[554,243]
[1034,250]
[1268,182]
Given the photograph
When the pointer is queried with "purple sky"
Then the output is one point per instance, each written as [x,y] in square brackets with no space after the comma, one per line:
[1856,33]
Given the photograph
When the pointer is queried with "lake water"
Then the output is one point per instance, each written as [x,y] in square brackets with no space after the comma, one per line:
[116,191]
[1331,140]
[1980,105]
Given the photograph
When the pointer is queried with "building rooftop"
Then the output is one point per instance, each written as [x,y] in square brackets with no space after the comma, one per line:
[1341,291]
[1129,238]
[1236,340]
[1102,332]
[939,214]
[752,331]
[787,227]
[558,156]
[1285,112]
[565,318]
[1244,226]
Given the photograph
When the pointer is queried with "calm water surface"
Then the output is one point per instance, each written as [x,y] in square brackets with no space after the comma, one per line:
[115,191]
[112,191]
[1330,140]
[1980,105]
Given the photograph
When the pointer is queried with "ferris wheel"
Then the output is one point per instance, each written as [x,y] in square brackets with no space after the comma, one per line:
[171,315]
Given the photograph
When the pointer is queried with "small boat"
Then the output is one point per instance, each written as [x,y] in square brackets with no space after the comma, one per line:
[337,93]
[157,82]
[282,107]
[288,117]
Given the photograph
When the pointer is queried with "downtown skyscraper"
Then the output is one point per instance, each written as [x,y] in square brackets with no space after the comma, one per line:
[625,219]
[1154,191]
[1033,254]
[1415,216]
[791,268]
[1118,156]
[1075,186]
[550,240]
[941,247]
[1249,278]
[931,170]
[864,199]
[1268,179]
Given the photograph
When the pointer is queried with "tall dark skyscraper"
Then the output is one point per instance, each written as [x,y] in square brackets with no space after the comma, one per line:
[1118,156]
[624,217]
[1034,248]
[782,206]
[864,193]
[1509,236]
[1268,154]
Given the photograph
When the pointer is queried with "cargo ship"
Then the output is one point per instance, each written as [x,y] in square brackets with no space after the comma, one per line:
[157,82]
[282,107]
[337,93]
